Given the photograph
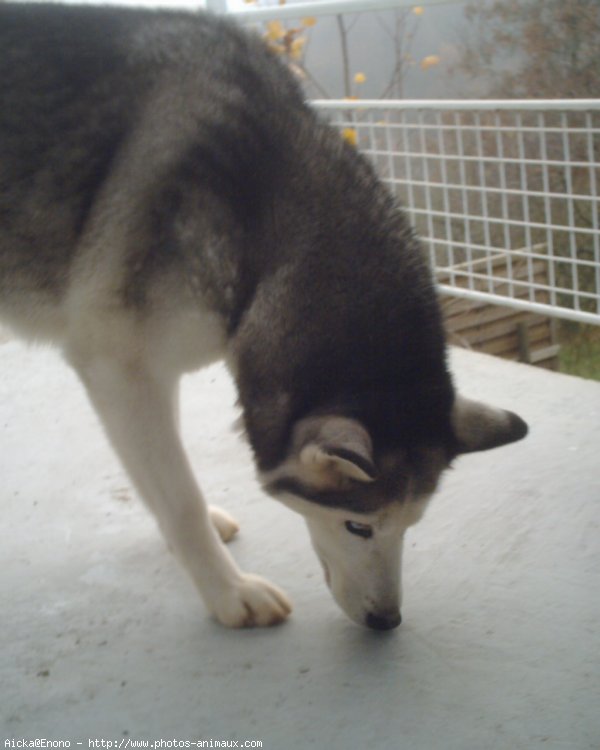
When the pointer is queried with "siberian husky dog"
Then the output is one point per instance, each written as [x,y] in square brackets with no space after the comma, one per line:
[167,198]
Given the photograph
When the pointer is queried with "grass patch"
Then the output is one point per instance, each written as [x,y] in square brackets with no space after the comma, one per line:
[580,350]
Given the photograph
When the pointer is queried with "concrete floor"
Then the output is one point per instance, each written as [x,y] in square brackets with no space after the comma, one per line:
[103,636]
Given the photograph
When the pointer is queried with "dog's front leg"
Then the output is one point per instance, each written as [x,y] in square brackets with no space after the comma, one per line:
[139,412]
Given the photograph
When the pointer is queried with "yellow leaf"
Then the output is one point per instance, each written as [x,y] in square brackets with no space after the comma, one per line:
[275,31]
[296,48]
[418,10]
[310,21]
[429,61]
[360,78]
[350,135]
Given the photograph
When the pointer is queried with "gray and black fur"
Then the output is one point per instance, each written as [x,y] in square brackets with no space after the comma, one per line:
[260,199]
[168,164]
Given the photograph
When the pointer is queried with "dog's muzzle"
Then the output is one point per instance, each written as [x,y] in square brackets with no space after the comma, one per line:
[383,621]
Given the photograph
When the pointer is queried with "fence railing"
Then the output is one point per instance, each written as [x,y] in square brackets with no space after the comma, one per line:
[505,194]
[276,9]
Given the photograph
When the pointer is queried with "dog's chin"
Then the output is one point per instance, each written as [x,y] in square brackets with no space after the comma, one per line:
[326,571]
[357,617]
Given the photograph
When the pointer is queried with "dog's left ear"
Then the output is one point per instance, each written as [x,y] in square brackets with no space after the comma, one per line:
[336,446]
[479,427]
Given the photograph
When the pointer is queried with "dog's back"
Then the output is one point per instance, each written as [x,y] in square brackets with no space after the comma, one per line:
[107,117]
[64,114]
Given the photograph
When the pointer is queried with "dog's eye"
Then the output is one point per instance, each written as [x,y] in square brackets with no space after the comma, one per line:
[359,529]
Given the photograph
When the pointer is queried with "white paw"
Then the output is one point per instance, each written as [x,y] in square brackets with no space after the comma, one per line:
[249,602]
[225,524]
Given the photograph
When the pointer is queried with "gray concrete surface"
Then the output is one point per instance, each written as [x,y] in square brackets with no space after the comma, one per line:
[104,637]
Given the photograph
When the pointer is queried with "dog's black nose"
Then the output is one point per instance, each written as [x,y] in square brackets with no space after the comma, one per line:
[385,621]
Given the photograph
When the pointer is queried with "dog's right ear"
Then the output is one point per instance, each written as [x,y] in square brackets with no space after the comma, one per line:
[479,427]
[331,449]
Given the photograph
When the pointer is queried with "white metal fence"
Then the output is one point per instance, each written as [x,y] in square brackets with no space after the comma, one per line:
[269,9]
[503,193]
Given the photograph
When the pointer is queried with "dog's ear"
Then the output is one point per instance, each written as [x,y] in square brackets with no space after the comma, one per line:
[332,448]
[479,427]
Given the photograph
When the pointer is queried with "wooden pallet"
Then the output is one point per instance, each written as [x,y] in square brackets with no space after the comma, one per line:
[493,329]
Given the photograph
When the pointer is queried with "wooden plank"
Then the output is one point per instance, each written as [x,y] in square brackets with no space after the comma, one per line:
[509,343]
[546,353]
[456,305]
[503,328]
[496,329]
[520,269]
[489,315]
[480,334]
[501,256]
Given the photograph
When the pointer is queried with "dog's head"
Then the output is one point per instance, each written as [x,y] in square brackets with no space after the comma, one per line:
[358,498]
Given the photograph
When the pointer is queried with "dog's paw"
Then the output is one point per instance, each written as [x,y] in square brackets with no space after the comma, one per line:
[251,602]
[225,524]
